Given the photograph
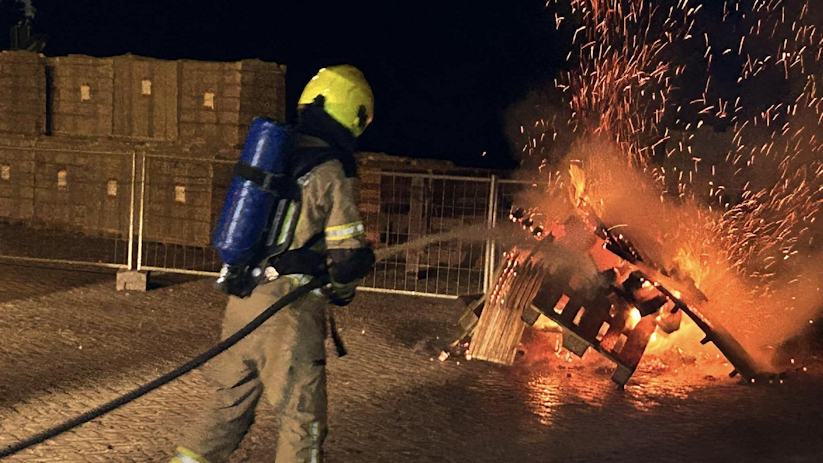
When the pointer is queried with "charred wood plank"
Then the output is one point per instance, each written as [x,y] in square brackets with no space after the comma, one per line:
[500,326]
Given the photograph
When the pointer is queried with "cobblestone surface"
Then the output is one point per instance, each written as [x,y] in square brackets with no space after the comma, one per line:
[22,281]
[70,342]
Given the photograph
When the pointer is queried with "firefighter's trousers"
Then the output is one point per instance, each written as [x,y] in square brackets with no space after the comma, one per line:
[284,360]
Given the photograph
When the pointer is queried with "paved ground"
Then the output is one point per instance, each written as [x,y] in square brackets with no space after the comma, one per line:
[70,342]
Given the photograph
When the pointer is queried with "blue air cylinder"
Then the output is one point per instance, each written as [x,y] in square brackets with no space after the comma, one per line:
[248,205]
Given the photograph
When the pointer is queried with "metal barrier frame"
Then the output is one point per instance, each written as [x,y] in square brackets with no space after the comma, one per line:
[138,219]
[431,178]
[130,244]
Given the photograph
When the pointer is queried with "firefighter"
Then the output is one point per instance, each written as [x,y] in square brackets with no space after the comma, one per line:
[284,360]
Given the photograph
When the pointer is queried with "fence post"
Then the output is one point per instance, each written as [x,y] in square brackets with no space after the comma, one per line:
[142,220]
[491,222]
[131,210]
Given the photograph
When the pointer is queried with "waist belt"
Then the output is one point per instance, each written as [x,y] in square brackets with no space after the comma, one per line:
[301,260]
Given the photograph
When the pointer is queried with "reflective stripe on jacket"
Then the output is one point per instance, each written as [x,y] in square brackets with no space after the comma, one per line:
[329,208]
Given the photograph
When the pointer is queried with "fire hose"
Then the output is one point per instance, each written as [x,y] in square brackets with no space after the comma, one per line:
[168,377]
[293,296]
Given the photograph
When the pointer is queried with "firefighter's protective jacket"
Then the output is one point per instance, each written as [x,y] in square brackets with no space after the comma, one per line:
[329,211]
[328,204]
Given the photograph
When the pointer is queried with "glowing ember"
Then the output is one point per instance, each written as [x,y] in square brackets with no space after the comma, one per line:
[634,318]
[733,211]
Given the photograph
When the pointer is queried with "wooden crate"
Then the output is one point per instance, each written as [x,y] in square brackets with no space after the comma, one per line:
[22,93]
[16,184]
[145,98]
[219,100]
[82,90]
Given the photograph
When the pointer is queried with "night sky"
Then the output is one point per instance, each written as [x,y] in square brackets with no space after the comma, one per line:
[443,72]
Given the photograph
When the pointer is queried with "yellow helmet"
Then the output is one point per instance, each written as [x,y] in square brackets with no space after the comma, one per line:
[346,96]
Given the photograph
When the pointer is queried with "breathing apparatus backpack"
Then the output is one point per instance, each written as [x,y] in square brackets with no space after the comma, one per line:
[259,217]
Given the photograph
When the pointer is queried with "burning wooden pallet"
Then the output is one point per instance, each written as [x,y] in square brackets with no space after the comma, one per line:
[614,313]
[597,320]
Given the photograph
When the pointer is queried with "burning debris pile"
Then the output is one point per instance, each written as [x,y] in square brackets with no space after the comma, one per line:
[614,310]
[704,149]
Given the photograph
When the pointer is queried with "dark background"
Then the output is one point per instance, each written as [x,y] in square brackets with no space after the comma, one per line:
[446,74]
[443,72]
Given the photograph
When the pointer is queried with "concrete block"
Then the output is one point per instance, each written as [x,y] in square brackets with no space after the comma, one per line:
[132,280]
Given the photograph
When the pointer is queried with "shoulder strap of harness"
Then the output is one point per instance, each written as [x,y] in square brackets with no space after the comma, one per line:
[277,183]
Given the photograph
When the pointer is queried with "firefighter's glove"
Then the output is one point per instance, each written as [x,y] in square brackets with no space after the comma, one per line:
[341,294]
[346,268]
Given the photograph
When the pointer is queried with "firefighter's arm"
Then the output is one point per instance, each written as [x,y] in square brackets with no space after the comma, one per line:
[350,256]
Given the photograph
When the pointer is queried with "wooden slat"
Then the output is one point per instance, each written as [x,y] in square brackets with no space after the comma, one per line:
[500,326]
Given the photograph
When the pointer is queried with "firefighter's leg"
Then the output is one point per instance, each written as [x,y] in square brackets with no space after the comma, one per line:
[234,378]
[229,412]
[303,420]
[294,375]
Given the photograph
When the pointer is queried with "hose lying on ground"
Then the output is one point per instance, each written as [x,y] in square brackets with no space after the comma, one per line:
[209,354]
[168,377]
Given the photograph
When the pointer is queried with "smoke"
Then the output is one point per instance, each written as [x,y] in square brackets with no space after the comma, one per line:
[735,210]
[683,236]
[28,8]
[538,127]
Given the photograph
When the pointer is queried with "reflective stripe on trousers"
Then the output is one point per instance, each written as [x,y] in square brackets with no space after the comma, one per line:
[315,442]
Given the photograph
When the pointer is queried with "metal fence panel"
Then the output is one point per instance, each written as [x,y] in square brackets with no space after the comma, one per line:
[509,192]
[66,206]
[181,201]
[416,207]
[148,211]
